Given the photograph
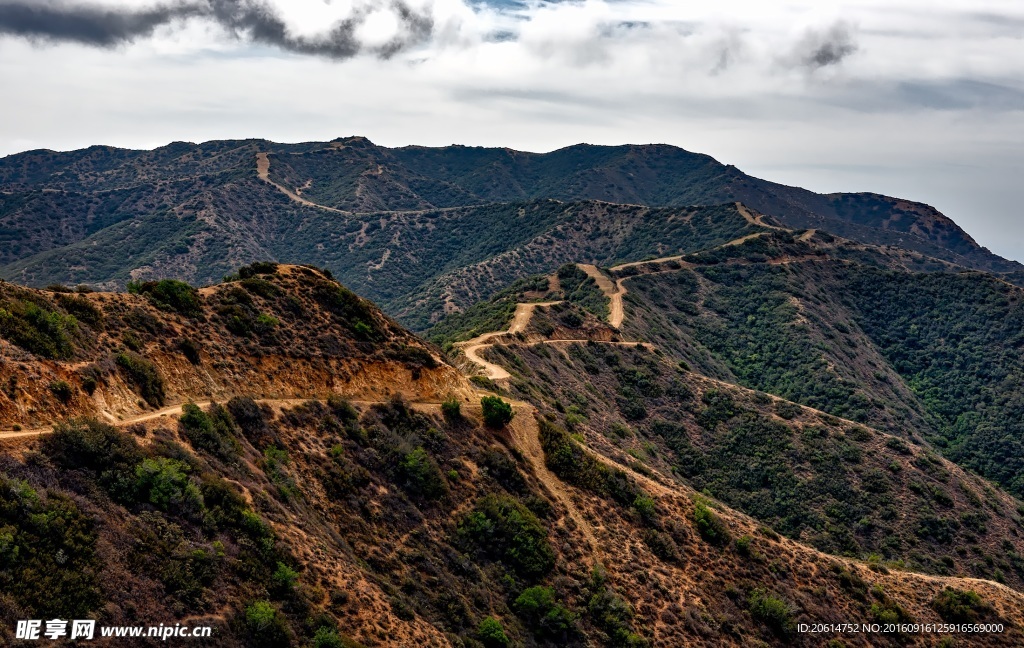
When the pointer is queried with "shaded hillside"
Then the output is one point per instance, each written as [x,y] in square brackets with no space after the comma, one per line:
[859,333]
[418,265]
[656,175]
[831,483]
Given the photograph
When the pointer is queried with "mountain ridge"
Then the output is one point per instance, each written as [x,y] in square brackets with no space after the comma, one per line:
[210,182]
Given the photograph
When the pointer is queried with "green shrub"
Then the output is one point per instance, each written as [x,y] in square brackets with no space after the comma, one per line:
[284,578]
[421,475]
[491,634]
[771,611]
[567,459]
[645,508]
[132,340]
[960,606]
[787,410]
[90,381]
[170,295]
[38,330]
[709,525]
[413,356]
[266,323]
[327,638]
[266,626]
[261,287]
[144,375]
[497,413]
[275,463]
[544,615]
[613,615]
[190,349]
[451,408]
[888,611]
[212,431]
[62,390]
[744,546]
[353,312]
[165,484]
[506,530]
[49,567]
[257,268]
[82,309]
[105,451]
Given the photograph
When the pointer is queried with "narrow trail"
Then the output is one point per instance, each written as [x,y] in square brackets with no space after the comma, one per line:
[263,171]
[526,437]
[635,264]
[524,313]
[743,239]
[808,235]
[172,410]
[753,219]
[613,291]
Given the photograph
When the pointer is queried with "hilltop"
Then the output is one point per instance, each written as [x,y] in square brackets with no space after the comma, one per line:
[337,481]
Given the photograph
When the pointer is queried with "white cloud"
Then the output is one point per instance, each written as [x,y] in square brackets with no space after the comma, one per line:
[926,101]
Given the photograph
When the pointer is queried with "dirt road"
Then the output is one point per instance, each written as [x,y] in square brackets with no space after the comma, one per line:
[613,291]
[263,171]
[491,370]
[634,264]
[520,320]
[754,220]
[526,436]
[524,313]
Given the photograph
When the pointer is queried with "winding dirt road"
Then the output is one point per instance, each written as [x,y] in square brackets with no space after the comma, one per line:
[754,219]
[263,171]
[520,320]
[635,264]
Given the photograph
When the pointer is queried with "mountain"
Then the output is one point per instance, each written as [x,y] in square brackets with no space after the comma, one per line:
[412,228]
[276,458]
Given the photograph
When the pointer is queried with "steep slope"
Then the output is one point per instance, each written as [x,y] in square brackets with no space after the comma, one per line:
[860,333]
[281,520]
[280,332]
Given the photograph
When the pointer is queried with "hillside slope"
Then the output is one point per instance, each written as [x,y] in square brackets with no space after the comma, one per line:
[288,516]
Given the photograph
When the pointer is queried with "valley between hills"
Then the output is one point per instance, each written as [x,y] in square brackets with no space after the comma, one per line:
[619,396]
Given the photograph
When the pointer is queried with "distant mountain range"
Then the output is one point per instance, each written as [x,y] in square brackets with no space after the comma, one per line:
[403,225]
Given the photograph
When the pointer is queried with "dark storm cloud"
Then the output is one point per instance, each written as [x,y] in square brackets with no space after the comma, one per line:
[251,20]
[819,49]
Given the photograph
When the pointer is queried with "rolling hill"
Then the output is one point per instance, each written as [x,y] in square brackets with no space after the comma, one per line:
[275,457]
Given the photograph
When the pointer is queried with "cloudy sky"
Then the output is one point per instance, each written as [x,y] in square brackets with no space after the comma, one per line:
[922,99]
